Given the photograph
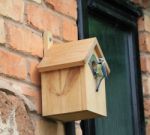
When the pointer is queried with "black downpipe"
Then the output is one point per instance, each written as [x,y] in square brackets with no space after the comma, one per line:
[86,125]
[70,128]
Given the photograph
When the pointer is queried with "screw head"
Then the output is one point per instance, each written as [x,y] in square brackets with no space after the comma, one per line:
[50,39]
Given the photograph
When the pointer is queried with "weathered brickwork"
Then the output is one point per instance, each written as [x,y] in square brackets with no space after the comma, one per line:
[22,23]
[13,9]
[14,118]
[142,3]
[144,45]
[62,7]
[12,64]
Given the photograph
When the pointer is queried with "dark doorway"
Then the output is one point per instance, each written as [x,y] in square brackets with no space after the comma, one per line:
[114,25]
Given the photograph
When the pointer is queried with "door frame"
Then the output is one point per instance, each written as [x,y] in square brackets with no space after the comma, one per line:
[124,14]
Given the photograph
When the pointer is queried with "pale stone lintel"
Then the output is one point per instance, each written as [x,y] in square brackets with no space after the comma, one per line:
[17,91]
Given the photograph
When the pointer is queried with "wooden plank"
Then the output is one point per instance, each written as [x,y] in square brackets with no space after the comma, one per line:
[61,91]
[64,94]
[68,85]
[67,55]
[70,54]
[62,66]
[50,84]
[96,101]
[48,41]
[81,115]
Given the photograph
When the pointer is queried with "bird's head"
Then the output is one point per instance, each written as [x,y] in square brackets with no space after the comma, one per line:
[101,60]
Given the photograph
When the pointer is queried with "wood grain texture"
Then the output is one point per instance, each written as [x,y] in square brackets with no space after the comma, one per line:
[96,101]
[61,91]
[68,85]
[81,115]
[48,41]
[70,54]
[70,94]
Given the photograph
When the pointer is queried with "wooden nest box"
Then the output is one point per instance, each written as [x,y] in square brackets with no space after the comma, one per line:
[71,88]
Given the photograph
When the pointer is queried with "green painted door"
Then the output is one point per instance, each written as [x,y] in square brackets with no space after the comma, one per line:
[114,43]
[113,22]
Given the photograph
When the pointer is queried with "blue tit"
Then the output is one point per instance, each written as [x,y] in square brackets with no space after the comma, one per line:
[103,67]
[99,70]
[102,72]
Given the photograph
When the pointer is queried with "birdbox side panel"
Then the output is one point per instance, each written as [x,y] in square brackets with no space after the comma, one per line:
[62,91]
[96,100]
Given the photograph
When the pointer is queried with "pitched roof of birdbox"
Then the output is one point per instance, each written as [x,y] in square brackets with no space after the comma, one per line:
[69,54]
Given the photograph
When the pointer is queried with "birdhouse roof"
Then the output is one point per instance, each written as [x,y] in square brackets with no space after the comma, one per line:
[69,54]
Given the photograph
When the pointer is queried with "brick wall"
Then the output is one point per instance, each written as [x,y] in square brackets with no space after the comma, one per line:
[22,23]
[144,42]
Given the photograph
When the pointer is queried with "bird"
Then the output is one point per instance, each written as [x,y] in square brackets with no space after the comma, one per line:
[103,67]
[101,72]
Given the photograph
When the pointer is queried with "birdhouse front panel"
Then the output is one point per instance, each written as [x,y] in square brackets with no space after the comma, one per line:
[73,81]
[62,91]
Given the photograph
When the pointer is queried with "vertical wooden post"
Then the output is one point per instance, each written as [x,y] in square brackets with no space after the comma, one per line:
[48,41]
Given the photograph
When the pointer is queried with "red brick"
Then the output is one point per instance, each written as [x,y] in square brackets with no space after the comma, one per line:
[137,2]
[12,65]
[43,19]
[141,24]
[147,107]
[69,30]
[34,95]
[2,31]
[146,86]
[12,8]
[146,3]
[142,3]
[33,72]
[24,40]
[67,7]
[145,63]
[144,41]
[144,23]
